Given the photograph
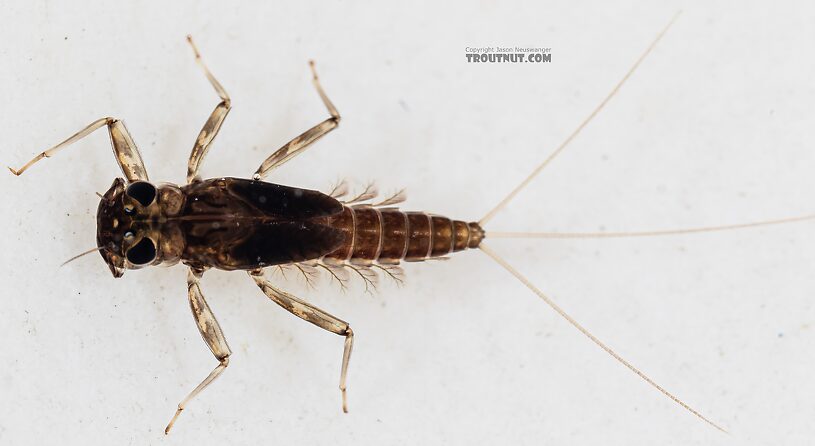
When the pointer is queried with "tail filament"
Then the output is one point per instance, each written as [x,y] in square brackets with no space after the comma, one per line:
[593,338]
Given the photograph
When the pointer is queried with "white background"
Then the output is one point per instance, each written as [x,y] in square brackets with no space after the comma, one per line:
[715,128]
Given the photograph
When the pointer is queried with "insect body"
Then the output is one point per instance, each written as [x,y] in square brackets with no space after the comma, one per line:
[241,224]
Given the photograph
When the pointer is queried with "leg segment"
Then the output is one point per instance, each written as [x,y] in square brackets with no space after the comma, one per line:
[212,334]
[316,316]
[213,124]
[300,143]
[125,150]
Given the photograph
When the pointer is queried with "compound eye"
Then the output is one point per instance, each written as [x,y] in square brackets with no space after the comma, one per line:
[142,191]
[142,252]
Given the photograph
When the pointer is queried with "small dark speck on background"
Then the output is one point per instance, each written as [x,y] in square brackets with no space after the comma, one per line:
[780,335]
[66,37]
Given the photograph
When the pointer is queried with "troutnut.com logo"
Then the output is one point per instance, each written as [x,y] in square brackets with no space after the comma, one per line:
[514,54]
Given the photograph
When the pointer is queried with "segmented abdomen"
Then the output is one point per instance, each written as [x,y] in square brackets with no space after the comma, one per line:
[389,235]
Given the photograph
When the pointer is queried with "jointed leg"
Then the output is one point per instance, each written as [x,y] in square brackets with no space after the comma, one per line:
[316,316]
[300,143]
[213,124]
[125,150]
[212,334]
